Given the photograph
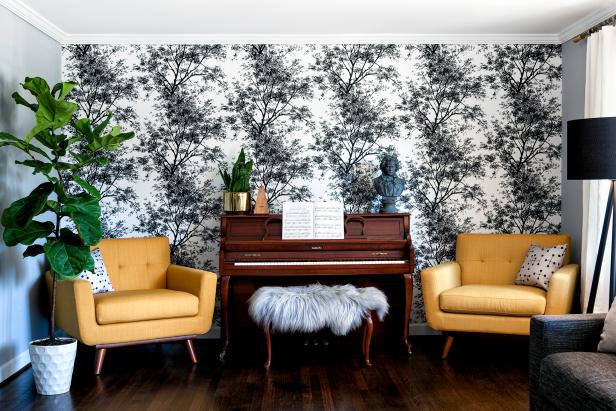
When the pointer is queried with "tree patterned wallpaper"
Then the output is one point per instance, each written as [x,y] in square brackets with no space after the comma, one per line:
[476,128]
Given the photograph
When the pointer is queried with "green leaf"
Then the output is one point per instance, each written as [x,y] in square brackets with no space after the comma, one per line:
[58,113]
[226,179]
[98,130]
[23,210]
[10,140]
[83,126]
[9,137]
[51,113]
[90,189]
[111,142]
[39,166]
[33,250]
[36,86]
[67,260]
[64,88]
[60,165]
[79,157]
[239,180]
[102,160]
[20,100]
[85,211]
[69,237]
[59,190]
[52,206]
[27,234]
[38,127]
[37,150]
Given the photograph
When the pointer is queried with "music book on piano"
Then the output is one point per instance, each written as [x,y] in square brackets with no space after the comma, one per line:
[316,220]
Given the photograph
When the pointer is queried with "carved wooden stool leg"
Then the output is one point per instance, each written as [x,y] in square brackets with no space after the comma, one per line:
[363,342]
[268,343]
[191,351]
[447,347]
[98,360]
[367,337]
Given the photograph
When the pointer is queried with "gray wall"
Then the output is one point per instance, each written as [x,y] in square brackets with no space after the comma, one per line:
[573,86]
[24,51]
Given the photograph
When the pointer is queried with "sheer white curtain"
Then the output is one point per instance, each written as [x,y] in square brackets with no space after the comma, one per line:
[600,102]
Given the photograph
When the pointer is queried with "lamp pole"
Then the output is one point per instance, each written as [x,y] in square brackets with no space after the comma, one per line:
[591,144]
[610,213]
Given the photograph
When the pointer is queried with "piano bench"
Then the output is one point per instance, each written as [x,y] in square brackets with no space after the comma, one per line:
[307,309]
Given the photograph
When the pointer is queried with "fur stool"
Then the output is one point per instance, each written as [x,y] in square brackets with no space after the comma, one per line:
[307,309]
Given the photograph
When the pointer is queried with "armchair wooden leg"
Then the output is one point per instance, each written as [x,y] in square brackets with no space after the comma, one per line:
[191,351]
[447,347]
[98,360]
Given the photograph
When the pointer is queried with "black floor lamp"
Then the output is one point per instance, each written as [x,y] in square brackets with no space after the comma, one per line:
[591,155]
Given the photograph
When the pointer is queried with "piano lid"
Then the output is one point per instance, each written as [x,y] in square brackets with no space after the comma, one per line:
[359,227]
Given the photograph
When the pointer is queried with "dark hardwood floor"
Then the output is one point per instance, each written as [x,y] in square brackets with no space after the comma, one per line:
[482,373]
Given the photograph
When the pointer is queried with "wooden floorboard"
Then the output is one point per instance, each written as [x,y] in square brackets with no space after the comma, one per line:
[482,373]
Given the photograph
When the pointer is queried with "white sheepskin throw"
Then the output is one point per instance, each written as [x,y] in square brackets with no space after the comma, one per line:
[306,309]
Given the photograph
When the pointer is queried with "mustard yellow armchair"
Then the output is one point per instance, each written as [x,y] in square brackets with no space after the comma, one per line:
[476,292]
[154,301]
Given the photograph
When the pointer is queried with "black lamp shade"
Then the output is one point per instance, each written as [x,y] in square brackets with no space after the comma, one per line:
[591,149]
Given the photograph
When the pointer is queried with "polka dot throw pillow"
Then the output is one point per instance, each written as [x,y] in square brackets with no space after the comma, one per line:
[99,279]
[540,264]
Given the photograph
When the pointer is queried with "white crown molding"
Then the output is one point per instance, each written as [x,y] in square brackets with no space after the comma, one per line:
[35,19]
[312,38]
[586,23]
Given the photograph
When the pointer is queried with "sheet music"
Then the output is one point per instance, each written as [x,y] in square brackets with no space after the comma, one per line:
[328,220]
[297,221]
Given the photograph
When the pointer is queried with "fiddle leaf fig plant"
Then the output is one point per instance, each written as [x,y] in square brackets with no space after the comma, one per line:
[51,152]
[239,180]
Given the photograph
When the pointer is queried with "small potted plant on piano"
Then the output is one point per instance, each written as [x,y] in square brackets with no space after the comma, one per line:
[236,198]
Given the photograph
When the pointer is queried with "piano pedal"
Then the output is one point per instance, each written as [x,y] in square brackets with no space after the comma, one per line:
[315,343]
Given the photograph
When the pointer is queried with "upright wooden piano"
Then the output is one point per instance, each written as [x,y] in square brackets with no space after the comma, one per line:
[376,251]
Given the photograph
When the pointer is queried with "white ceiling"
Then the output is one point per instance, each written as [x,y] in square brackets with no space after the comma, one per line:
[312,20]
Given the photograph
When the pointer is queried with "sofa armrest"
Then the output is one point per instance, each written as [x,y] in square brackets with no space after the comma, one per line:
[75,311]
[199,283]
[551,334]
[435,280]
[561,290]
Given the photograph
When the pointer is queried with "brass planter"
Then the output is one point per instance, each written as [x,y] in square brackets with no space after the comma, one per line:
[236,203]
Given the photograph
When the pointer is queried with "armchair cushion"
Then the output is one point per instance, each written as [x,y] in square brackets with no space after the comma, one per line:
[512,300]
[142,305]
[550,334]
[579,380]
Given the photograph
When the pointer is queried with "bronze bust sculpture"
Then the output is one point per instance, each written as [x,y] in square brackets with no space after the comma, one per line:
[388,185]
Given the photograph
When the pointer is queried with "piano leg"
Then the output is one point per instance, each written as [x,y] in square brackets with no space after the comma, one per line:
[408,286]
[224,299]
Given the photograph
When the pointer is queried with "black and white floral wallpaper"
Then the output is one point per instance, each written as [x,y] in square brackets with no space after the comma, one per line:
[476,127]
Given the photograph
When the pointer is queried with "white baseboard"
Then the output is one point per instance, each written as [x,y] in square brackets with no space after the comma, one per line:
[414,329]
[422,329]
[13,365]
[212,334]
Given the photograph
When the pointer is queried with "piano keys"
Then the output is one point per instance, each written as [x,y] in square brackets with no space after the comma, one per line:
[376,250]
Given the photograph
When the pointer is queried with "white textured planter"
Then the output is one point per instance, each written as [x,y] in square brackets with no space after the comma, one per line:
[53,367]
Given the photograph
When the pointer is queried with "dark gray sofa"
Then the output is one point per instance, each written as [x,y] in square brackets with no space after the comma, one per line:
[566,371]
